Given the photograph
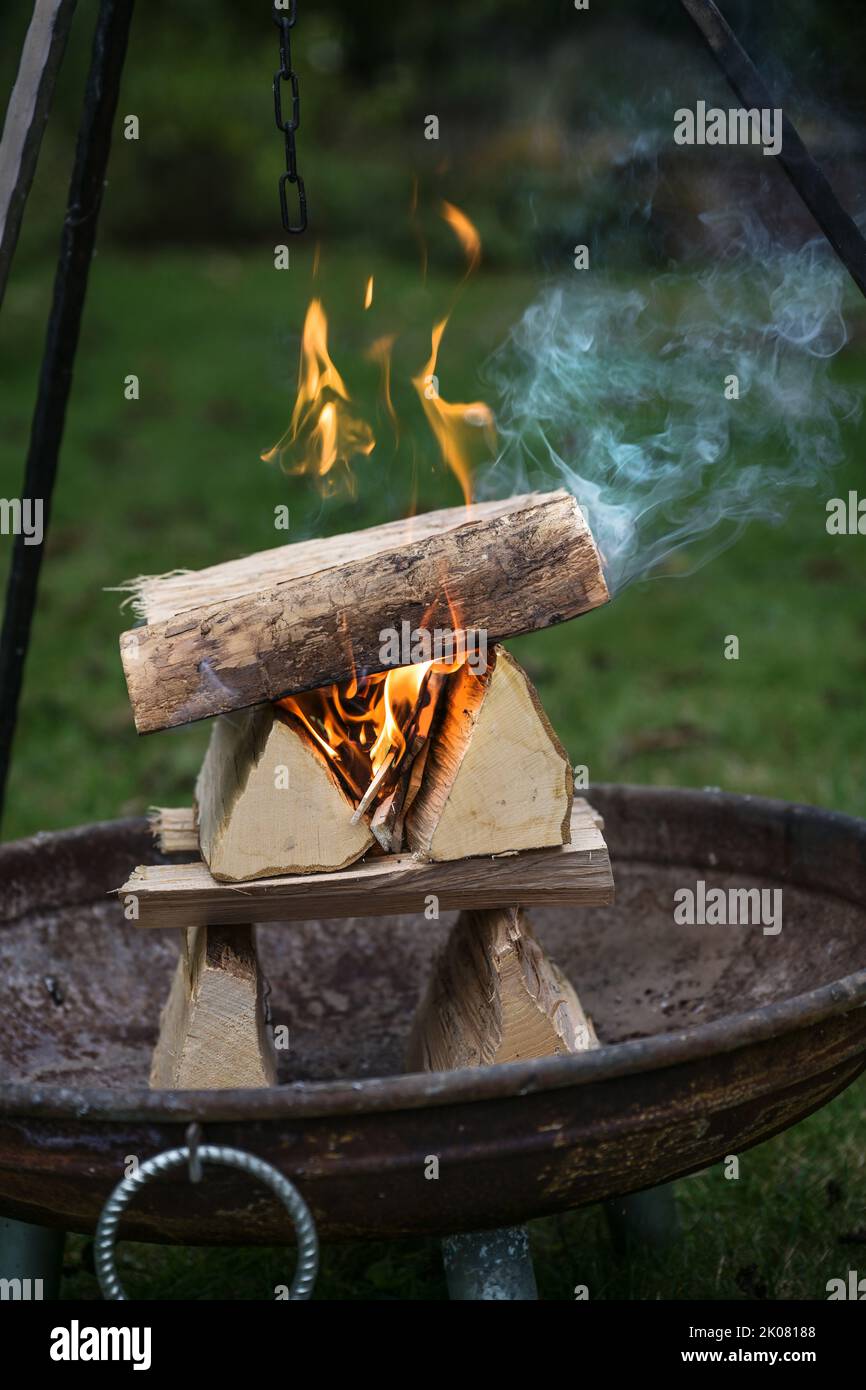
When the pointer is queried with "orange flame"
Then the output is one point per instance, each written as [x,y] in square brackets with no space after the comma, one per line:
[380,351]
[325,436]
[323,433]
[466,234]
[360,724]
[452,423]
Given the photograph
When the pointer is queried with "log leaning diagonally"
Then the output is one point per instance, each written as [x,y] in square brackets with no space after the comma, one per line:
[306,615]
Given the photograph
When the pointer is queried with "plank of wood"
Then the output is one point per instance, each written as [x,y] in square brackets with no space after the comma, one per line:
[270,803]
[212,1032]
[496,778]
[26,117]
[171,895]
[495,996]
[503,567]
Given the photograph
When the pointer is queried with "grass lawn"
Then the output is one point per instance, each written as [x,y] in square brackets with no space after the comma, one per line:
[639,691]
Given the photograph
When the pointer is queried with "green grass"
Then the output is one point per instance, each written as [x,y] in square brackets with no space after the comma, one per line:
[639,691]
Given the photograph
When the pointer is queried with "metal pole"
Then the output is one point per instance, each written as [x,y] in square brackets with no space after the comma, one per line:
[26,116]
[31,1260]
[70,288]
[808,179]
[644,1220]
[489,1266]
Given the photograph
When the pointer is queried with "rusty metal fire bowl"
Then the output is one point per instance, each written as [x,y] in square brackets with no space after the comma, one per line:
[714,1037]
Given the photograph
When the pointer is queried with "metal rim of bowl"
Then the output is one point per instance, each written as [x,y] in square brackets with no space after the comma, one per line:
[416,1090]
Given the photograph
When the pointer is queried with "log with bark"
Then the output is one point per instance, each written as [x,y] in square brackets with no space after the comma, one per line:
[213,1032]
[495,996]
[306,615]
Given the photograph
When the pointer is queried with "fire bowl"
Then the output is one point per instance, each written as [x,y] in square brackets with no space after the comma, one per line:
[714,1037]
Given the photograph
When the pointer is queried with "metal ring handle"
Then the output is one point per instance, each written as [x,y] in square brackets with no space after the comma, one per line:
[305,1227]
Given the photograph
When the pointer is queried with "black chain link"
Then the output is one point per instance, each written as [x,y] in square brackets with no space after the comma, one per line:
[285,22]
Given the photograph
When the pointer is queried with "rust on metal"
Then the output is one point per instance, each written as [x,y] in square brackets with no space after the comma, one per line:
[710,1044]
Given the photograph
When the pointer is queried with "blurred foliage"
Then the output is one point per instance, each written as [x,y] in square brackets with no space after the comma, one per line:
[550,119]
[548,122]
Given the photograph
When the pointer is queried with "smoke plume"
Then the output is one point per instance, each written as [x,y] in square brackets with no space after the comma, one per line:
[626,397]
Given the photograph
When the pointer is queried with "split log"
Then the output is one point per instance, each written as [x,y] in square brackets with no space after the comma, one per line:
[496,776]
[269,802]
[495,996]
[172,895]
[304,616]
[213,1032]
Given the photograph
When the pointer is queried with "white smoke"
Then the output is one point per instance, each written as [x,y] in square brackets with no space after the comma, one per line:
[618,394]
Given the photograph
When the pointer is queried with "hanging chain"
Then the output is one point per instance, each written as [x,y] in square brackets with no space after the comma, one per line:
[285,22]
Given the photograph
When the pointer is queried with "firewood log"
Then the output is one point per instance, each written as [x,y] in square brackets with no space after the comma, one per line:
[304,616]
[173,895]
[269,801]
[496,777]
[495,996]
[212,1032]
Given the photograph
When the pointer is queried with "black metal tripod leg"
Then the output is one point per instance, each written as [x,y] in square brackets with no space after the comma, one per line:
[643,1220]
[70,287]
[31,1260]
[489,1265]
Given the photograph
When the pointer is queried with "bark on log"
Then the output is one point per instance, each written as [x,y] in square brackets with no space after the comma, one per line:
[308,615]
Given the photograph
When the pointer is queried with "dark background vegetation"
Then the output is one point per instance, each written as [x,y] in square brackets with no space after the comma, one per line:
[555,127]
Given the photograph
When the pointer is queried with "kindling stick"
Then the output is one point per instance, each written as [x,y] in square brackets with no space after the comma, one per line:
[808,179]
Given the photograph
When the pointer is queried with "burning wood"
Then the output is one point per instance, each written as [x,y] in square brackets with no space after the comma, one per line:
[181,895]
[496,776]
[270,802]
[308,615]
[291,788]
